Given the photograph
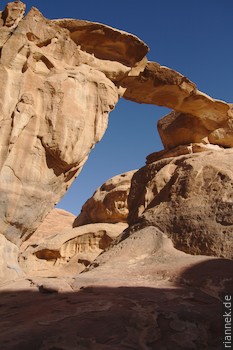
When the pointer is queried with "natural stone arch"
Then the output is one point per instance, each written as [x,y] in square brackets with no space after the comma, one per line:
[58,93]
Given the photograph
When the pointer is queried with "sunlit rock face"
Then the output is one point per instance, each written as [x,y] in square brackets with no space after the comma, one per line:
[54,107]
[109,202]
[61,79]
[163,86]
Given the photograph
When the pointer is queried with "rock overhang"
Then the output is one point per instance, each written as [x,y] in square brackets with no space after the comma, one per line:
[105,42]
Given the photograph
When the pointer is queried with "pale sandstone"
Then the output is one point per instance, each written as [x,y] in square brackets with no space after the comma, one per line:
[54,108]
[58,220]
[181,150]
[177,129]
[105,42]
[170,299]
[58,90]
[9,267]
[163,86]
[109,202]
[190,199]
[12,14]
[68,251]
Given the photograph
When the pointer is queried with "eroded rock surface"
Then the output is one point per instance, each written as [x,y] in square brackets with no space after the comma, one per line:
[190,199]
[163,86]
[108,203]
[177,129]
[61,80]
[54,108]
[58,220]
[69,250]
[9,267]
[144,294]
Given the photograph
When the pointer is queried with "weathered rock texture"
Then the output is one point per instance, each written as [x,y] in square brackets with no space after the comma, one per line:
[53,108]
[165,87]
[61,80]
[144,294]
[58,220]
[9,267]
[177,129]
[190,198]
[68,251]
[109,202]
[181,150]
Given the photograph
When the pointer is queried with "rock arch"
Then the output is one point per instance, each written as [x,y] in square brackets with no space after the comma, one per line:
[61,80]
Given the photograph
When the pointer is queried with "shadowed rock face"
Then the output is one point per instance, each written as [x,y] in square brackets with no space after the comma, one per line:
[190,199]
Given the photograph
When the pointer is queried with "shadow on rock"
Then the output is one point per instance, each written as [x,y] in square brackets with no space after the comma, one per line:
[129,317]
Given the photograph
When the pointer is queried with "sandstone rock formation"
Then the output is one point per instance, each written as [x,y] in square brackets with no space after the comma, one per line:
[9,267]
[177,129]
[58,220]
[54,107]
[189,198]
[181,150]
[68,251]
[140,289]
[62,78]
[144,294]
[56,248]
[109,202]
[165,87]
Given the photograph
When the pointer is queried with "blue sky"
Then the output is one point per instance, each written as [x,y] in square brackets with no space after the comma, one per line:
[192,37]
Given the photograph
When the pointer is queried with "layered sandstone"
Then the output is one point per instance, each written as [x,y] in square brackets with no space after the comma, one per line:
[109,202]
[62,78]
[57,221]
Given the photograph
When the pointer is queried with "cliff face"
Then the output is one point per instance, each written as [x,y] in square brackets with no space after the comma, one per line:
[54,107]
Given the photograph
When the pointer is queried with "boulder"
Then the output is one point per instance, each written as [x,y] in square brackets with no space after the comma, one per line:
[109,202]
[189,198]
